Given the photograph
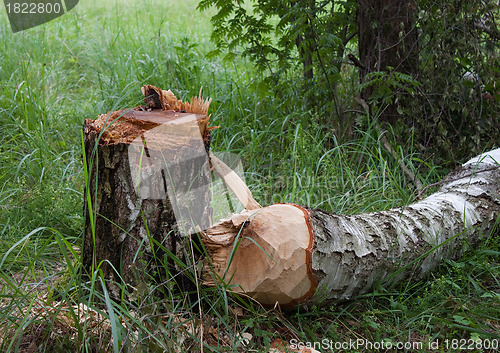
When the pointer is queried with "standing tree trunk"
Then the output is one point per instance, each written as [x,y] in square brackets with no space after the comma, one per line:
[291,254]
[387,41]
[147,190]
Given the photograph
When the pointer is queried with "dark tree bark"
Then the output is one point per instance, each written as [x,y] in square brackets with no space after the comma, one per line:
[387,40]
[305,41]
[305,56]
[132,230]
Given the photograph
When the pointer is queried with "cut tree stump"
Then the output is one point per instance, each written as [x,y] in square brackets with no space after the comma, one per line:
[148,189]
[291,255]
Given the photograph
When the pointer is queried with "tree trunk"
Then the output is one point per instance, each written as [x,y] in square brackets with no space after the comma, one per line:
[295,255]
[147,190]
[387,40]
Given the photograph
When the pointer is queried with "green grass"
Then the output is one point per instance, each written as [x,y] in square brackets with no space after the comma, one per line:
[94,60]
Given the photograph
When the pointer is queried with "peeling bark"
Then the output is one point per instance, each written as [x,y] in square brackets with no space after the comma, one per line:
[347,255]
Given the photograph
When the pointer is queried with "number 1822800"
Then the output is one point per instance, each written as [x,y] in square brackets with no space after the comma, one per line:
[27,8]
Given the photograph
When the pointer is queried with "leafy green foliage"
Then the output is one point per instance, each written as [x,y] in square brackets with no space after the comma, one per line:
[386,83]
[302,44]
[455,114]
[299,44]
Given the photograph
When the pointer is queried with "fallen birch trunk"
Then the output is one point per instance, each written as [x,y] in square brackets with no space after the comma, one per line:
[289,254]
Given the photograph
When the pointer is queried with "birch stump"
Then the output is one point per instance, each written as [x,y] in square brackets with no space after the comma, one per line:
[148,168]
[289,254]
